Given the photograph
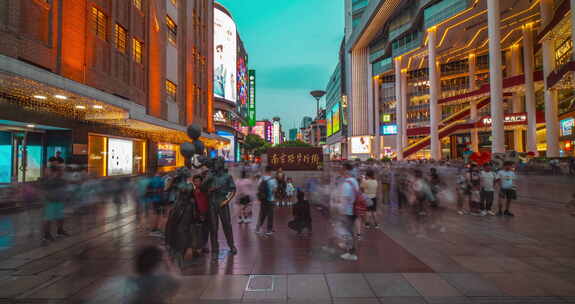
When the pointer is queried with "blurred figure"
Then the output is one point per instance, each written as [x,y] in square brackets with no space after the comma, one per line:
[245,187]
[281,189]
[53,186]
[488,178]
[345,204]
[435,184]
[202,205]
[154,197]
[290,192]
[462,189]
[301,215]
[148,286]
[266,195]
[571,204]
[369,186]
[422,192]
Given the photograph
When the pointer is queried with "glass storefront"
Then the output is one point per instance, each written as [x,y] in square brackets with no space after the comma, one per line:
[113,156]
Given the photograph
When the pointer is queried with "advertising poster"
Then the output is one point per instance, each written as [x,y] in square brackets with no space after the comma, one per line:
[243,86]
[361,145]
[567,126]
[120,157]
[252,98]
[228,152]
[295,158]
[166,155]
[225,54]
[328,124]
[389,129]
[260,129]
[336,119]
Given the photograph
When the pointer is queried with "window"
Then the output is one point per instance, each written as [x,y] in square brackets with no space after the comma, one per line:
[137,47]
[172,30]
[171,89]
[138,4]
[120,38]
[100,23]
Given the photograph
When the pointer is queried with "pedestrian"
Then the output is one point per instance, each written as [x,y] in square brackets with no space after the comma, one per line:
[462,189]
[488,178]
[508,190]
[148,286]
[290,192]
[422,192]
[244,185]
[280,194]
[54,190]
[301,215]
[475,199]
[369,187]
[473,178]
[435,185]
[56,160]
[202,207]
[266,195]
[348,192]
[154,196]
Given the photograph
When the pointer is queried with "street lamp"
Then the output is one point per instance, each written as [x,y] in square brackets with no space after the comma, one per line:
[318,94]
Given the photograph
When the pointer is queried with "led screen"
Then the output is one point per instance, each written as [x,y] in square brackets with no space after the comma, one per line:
[225,54]
[567,126]
[228,152]
[328,124]
[360,145]
[166,155]
[389,129]
[120,157]
[336,120]
[242,85]
[260,129]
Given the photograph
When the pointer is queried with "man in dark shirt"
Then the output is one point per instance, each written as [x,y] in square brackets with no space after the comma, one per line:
[57,159]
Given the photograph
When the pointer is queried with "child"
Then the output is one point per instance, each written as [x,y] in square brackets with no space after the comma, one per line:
[290,192]
[475,199]
[506,179]
[488,178]
[147,286]
[301,215]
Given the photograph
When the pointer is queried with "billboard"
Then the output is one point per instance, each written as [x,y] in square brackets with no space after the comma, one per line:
[361,145]
[228,152]
[328,124]
[260,129]
[567,126]
[120,157]
[336,119]
[225,54]
[252,98]
[242,85]
[276,133]
[166,155]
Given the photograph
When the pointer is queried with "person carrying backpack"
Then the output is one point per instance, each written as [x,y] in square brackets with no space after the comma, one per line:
[351,206]
[266,195]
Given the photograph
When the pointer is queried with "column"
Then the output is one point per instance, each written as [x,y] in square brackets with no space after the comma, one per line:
[404,102]
[517,105]
[398,110]
[495,77]
[377,118]
[551,103]
[573,24]
[473,104]
[529,68]
[433,94]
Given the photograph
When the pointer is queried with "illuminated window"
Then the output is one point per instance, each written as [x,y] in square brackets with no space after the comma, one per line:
[120,38]
[138,4]
[100,22]
[174,2]
[172,30]
[171,89]
[137,47]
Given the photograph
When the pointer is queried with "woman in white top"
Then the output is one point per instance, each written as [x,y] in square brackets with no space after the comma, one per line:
[369,187]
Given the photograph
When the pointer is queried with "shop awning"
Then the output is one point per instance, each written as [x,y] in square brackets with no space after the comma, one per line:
[46,91]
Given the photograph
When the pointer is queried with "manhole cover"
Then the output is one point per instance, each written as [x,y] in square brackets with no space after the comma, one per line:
[260,283]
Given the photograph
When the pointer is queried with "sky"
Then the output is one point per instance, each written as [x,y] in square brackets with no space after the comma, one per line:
[293,45]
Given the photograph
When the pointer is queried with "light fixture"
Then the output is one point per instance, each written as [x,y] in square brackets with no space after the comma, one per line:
[30,126]
[40,97]
[80,107]
[60,97]
[99,107]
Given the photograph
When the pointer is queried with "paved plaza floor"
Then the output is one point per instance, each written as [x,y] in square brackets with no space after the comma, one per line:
[441,258]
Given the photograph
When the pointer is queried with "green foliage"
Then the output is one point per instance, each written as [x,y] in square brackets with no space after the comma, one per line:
[255,144]
[294,143]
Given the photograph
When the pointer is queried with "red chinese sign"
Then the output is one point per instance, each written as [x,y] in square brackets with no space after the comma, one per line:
[295,158]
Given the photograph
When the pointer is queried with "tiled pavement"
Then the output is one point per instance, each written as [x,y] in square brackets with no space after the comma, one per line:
[443,258]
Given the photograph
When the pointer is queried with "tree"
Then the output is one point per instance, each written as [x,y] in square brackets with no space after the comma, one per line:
[256,145]
[294,143]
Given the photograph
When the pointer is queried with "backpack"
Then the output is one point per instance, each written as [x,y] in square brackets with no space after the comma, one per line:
[359,202]
[263,190]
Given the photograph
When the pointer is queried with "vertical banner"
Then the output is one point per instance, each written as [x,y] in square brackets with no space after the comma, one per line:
[252,99]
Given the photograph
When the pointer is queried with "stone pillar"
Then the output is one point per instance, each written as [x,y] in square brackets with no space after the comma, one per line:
[495,76]
[434,87]
[404,102]
[473,116]
[376,118]
[551,103]
[517,105]
[529,68]
[398,110]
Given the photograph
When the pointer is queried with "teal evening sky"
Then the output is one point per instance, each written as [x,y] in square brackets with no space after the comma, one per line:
[293,45]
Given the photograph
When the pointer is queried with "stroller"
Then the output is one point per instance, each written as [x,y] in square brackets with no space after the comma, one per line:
[185,228]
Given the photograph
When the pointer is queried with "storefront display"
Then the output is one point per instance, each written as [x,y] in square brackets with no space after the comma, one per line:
[111,156]
[228,151]
[361,145]
[120,157]
[167,155]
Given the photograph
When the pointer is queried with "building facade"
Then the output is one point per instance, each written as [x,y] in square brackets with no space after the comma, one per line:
[110,84]
[423,85]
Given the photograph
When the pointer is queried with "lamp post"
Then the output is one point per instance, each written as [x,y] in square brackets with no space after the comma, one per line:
[318,94]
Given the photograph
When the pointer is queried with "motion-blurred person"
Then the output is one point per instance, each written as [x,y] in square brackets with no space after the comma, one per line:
[462,189]
[290,192]
[435,183]
[488,178]
[53,186]
[148,285]
[347,194]
[202,205]
[281,189]
[266,195]
[301,215]
[369,186]
[506,179]
[154,196]
[422,192]
[245,187]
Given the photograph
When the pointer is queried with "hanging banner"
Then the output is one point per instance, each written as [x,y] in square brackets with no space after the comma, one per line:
[252,98]
[295,158]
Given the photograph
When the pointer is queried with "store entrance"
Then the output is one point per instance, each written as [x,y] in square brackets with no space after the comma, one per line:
[27,156]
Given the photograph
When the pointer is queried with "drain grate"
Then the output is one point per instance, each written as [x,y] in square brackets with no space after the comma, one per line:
[261,283]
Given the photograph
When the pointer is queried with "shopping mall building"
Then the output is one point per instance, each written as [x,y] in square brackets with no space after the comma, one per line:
[112,85]
[433,78]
